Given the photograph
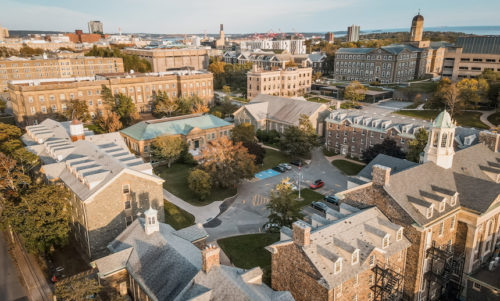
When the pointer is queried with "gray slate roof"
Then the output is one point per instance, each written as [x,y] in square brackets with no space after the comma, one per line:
[479,44]
[396,165]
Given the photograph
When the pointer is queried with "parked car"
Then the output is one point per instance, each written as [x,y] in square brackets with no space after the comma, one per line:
[285,165]
[270,227]
[319,206]
[358,107]
[317,184]
[279,168]
[332,199]
[297,162]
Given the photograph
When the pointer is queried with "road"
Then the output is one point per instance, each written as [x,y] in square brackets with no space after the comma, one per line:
[10,284]
[248,213]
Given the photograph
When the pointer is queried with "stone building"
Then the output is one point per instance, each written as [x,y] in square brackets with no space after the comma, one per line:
[34,100]
[173,58]
[417,28]
[109,185]
[152,261]
[288,82]
[43,67]
[196,129]
[4,33]
[349,254]
[471,56]
[350,132]
[449,206]
[292,46]
[96,27]
[267,112]
[319,63]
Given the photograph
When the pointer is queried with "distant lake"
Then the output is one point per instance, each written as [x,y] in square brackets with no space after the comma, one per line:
[478,30]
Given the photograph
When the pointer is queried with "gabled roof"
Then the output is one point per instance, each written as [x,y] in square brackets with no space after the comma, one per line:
[182,125]
[396,165]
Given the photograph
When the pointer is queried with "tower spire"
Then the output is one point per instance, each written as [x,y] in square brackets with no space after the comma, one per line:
[440,148]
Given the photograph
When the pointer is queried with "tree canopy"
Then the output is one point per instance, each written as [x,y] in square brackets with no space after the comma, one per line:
[168,148]
[130,61]
[283,206]
[200,183]
[77,109]
[299,141]
[387,147]
[417,145]
[355,92]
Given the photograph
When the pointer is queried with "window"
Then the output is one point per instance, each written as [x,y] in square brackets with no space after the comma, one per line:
[126,189]
[338,266]
[371,279]
[355,298]
[356,280]
[441,228]
[385,242]
[430,211]
[372,260]
[453,221]
[338,290]
[370,296]
[91,103]
[442,205]
[129,220]
[44,109]
[399,234]
[355,257]
[476,286]
[127,204]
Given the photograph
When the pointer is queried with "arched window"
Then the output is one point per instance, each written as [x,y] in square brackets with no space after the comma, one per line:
[436,137]
[443,140]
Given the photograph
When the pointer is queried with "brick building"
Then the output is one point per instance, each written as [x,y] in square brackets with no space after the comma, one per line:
[109,185]
[33,101]
[80,37]
[43,67]
[350,132]
[448,206]
[196,129]
[288,82]
[169,59]
[349,254]
[152,261]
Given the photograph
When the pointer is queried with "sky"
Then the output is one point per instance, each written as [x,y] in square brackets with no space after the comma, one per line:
[241,16]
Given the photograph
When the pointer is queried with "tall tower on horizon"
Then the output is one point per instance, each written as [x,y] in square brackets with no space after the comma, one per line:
[222,40]
[353,33]
[417,28]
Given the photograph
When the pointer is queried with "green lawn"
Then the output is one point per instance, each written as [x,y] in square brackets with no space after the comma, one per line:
[494,118]
[317,99]
[309,196]
[240,99]
[469,119]
[176,217]
[247,251]
[176,182]
[273,158]
[95,128]
[424,87]
[347,167]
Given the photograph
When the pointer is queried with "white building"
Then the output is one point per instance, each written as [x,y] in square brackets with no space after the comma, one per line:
[292,46]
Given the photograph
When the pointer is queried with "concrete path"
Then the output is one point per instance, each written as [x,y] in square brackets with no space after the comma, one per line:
[11,287]
[201,213]
[341,157]
[484,118]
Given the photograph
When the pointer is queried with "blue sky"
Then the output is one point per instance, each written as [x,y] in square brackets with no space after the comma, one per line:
[242,16]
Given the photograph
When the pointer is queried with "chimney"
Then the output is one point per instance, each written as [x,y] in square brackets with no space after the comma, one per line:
[76,130]
[210,257]
[301,233]
[490,139]
[381,175]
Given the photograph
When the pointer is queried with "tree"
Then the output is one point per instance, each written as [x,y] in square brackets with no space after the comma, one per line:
[12,178]
[199,108]
[3,106]
[111,123]
[417,145]
[255,149]
[125,108]
[200,183]
[283,206]
[77,289]
[8,132]
[387,147]
[469,91]
[226,89]
[317,75]
[41,217]
[244,132]
[299,141]
[355,92]
[77,109]
[164,105]
[450,94]
[168,148]
[227,163]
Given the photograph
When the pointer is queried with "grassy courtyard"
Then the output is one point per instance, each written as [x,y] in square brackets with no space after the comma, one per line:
[247,251]
[309,196]
[347,167]
[494,118]
[468,119]
[176,217]
[273,158]
[176,182]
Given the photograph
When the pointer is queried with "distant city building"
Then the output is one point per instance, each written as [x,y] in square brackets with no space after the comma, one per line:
[353,33]
[221,42]
[170,59]
[263,60]
[288,82]
[319,63]
[292,46]
[471,56]
[109,185]
[268,113]
[80,37]
[55,66]
[35,100]
[153,261]
[197,130]
[4,33]
[329,37]
[417,28]
[344,254]
[96,27]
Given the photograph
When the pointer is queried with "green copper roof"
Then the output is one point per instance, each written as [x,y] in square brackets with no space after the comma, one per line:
[443,120]
[182,125]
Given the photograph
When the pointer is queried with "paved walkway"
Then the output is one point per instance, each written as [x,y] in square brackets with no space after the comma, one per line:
[484,118]
[11,287]
[341,157]
[201,213]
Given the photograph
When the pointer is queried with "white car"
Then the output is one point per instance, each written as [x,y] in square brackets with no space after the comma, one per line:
[285,165]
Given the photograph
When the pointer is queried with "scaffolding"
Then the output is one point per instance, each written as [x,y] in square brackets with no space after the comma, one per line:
[388,284]
[444,273]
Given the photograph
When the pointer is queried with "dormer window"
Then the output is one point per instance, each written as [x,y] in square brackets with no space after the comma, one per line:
[442,205]
[355,257]
[453,200]
[399,234]
[385,241]
[338,266]
[430,211]
[126,189]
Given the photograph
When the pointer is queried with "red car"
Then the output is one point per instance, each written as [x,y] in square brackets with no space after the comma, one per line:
[317,184]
